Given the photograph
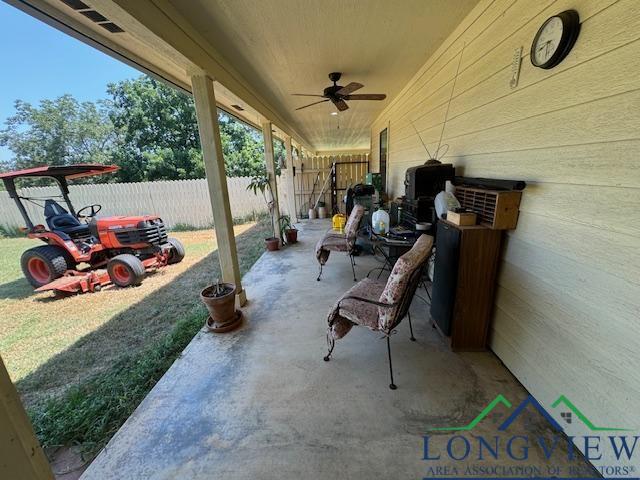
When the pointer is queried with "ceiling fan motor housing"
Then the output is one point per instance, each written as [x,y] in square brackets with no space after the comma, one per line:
[331,91]
[335,76]
[337,94]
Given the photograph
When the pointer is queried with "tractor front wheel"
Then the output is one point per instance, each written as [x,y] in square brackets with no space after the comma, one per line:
[43,264]
[125,270]
[176,254]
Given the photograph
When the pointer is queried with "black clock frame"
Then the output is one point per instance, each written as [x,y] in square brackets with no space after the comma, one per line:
[570,30]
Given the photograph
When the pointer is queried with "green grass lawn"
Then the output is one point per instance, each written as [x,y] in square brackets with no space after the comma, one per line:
[83,363]
[10,272]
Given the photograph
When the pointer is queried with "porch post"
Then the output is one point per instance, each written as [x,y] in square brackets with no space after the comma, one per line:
[290,180]
[21,455]
[271,172]
[207,114]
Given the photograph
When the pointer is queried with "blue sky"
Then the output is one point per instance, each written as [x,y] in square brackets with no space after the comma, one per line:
[41,62]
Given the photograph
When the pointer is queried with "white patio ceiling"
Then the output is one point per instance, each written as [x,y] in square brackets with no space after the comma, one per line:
[289,46]
[262,51]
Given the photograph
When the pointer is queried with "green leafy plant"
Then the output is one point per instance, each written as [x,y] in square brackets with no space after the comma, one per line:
[285,224]
[376,180]
[260,183]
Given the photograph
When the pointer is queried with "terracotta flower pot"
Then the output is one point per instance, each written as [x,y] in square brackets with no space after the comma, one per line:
[272,244]
[222,313]
[291,234]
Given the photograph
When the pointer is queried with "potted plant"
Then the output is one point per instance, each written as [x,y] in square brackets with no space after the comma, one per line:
[288,233]
[260,183]
[220,300]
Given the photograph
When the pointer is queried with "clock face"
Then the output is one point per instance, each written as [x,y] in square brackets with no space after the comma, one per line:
[555,39]
[548,40]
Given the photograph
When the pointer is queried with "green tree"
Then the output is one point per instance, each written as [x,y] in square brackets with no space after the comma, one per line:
[58,132]
[145,127]
[157,131]
[159,134]
[242,147]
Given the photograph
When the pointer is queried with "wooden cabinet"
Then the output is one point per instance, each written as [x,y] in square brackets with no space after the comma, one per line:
[464,283]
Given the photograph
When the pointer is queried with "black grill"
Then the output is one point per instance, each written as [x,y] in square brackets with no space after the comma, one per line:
[151,232]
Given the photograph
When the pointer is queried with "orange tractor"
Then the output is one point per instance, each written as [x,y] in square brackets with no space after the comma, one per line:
[81,252]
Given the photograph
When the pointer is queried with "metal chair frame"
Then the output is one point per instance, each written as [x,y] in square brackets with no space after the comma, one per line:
[350,253]
[403,311]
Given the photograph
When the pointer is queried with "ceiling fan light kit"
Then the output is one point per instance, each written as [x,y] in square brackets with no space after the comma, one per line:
[337,94]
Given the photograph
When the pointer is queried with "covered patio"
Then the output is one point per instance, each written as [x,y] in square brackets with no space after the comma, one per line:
[262,403]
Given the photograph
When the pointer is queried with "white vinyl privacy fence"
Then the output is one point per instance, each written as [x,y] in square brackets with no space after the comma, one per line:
[176,201]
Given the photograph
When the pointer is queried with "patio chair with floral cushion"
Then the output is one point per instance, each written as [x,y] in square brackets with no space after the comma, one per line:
[380,305]
[341,242]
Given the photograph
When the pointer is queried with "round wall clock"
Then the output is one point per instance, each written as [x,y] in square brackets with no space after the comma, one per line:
[555,39]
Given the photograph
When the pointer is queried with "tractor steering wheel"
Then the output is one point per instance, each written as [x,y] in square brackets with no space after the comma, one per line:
[94,210]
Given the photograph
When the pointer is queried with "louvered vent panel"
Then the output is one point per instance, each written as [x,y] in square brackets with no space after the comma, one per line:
[495,209]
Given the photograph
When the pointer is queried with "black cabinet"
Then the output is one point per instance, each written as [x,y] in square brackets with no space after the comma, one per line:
[445,276]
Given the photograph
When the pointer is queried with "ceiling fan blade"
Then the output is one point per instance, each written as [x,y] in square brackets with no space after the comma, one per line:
[352,87]
[340,104]
[366,96]
[314,103]
[306,95]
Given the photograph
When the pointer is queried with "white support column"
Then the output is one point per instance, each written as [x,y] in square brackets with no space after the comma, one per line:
[207,114]
[269,158]
[20,453]
[289,181]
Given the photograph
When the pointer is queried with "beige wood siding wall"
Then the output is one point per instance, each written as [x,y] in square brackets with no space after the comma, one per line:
[567,310]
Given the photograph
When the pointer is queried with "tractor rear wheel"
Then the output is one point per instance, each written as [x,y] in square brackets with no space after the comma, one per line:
[43,264]
[126,270]
[176,254]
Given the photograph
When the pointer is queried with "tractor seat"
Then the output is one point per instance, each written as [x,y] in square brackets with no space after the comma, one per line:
[60,220]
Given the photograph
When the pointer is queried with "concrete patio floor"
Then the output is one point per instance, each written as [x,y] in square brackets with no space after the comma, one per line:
[261,403]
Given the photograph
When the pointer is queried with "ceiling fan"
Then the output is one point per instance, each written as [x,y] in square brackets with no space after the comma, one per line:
[338,94]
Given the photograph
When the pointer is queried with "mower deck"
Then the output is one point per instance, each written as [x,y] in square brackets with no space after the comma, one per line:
[74,281]
[78,282]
